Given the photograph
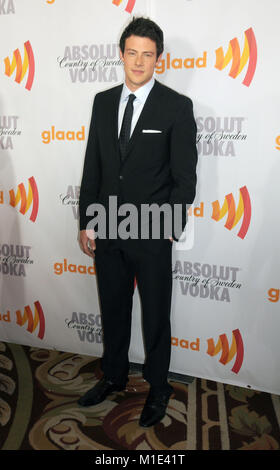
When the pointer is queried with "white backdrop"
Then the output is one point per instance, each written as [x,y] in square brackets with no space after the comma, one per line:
[55,56]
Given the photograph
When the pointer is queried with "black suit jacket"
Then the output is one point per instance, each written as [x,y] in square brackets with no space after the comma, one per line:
[159,167]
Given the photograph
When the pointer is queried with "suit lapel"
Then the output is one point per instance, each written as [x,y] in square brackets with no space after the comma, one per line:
[115,115]
[149,106]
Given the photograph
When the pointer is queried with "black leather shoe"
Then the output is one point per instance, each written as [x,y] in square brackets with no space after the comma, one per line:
[99,392]
[154,408]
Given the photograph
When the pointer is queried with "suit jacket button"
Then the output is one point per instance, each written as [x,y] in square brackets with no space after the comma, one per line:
[121,177]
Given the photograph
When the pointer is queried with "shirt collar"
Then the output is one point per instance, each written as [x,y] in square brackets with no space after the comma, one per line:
[141,93]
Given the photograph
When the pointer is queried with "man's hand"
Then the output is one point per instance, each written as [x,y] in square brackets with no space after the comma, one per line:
[87,242]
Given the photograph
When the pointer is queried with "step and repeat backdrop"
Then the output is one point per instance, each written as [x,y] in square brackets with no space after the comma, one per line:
[55,55]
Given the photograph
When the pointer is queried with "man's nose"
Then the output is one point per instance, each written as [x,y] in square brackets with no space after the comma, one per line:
[138,60]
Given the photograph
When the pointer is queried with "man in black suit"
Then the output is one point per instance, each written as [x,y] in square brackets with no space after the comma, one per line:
[141,151]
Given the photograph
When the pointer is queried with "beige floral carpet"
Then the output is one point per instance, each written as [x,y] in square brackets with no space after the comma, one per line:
[39,411]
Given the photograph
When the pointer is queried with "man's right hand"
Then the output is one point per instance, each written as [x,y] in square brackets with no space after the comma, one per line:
[87,242]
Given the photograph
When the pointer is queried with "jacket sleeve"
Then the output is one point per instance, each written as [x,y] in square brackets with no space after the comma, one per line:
[91,178]
[183,162]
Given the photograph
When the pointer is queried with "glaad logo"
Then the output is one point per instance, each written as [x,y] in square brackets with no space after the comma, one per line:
[273,295]
[7,7]
[53,134]
[22,66]
[249,55]
[129,7]
[26,199]
[60,268]
[32,320]
[234,215]
[178,63]
[185,343]
[228,353]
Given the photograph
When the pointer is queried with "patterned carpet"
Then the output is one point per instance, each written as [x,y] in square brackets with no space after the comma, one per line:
[38,410]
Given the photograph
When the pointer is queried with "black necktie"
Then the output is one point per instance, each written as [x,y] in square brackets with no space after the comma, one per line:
[126,126]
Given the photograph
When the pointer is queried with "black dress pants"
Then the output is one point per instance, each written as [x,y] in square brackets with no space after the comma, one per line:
[117,267]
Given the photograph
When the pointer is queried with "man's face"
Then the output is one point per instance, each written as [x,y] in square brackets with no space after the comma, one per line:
[139,59]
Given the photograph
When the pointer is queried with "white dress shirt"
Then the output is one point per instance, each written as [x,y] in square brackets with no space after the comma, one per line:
[138,104]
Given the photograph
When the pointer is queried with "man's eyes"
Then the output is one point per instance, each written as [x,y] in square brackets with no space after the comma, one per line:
[146,54]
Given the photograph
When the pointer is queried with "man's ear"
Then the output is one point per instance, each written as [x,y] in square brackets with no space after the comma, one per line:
[121,55]
[159,59]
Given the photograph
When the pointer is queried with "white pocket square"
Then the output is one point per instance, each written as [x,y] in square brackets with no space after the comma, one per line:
[151,131]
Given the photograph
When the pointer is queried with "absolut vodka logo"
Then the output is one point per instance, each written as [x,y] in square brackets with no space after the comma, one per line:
[7,7]
[87,326]
[91,63]
[206,281]
[9,130]
[220,136]
[71,199]
[14,259]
